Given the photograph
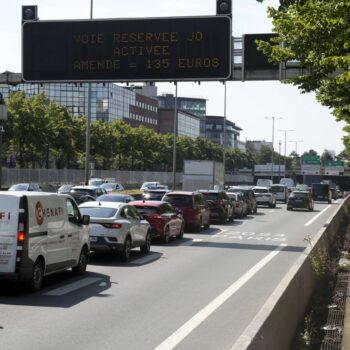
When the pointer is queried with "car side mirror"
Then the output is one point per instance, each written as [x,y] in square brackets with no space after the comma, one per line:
[85,220]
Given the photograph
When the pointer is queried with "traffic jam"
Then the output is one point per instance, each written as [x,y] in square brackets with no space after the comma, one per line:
[42,233]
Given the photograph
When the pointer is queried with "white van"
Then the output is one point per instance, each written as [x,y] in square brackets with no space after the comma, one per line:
[264,182]
[287,181]
[280,191]
[40,234]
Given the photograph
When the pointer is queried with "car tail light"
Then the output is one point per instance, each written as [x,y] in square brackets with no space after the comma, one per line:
[115,225]
[237,204]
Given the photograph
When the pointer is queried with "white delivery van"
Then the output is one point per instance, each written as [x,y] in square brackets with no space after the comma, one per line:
[264,182]
[287,182]
[40,234]
[280,191]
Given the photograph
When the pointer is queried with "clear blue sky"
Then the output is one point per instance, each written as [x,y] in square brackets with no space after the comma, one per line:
[248,103]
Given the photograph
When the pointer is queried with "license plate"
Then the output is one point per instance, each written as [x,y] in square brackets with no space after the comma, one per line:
[93,239]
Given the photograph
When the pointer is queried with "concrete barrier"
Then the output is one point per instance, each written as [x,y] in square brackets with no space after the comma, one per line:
[275,326]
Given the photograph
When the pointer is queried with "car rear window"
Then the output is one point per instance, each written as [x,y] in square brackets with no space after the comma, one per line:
[298,195]
[179,200]
[276,189]
[147,210]
[210,196]
[261,190]
[99,212]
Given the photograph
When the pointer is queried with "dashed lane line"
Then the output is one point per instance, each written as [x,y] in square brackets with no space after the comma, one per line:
[173,340]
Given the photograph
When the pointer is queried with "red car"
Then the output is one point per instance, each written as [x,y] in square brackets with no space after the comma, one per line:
[164,219]
[195,209]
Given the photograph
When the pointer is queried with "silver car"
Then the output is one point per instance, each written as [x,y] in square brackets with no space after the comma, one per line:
[116,227]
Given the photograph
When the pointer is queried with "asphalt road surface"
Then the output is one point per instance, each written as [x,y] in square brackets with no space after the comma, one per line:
[200,292]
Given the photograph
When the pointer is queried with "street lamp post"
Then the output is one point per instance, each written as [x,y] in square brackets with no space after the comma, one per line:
[285,147]
[273,136]
[296,144]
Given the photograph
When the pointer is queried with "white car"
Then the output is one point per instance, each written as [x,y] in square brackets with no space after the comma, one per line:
[149,184]
[112,186]
[264,196]
[116,227]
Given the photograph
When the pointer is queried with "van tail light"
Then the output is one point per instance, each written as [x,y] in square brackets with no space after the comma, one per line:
[21,233]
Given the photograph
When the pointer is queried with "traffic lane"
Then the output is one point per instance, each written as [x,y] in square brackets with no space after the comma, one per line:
[223,328]
[137,302]
[194,259]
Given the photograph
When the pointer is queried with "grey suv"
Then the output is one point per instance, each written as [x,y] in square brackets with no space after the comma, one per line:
[248,196]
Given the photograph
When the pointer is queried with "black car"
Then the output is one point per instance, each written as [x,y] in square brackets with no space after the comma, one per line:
[83,194]
[321,192]
[300,200]
[154,194]
[220,204]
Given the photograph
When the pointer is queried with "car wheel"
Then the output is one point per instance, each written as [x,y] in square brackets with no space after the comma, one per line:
[232,217]
[329,201]
[146,247]
[125,254]
[36,280]
[82,263]
[166,237]
[182,230]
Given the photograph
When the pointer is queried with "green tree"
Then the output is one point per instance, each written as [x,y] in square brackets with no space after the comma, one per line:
[316,33]
[311,153]
[327,156]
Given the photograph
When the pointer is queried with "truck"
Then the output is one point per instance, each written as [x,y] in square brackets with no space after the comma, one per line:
[202,175]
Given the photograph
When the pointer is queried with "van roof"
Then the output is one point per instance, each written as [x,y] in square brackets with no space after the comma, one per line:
[28,194]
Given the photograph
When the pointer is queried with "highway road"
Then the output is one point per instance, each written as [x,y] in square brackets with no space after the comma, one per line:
[201,292]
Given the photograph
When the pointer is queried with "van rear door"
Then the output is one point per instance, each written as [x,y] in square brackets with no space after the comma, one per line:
[9,212]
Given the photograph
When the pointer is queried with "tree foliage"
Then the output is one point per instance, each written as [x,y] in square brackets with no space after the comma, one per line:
[316,33]
[42,133]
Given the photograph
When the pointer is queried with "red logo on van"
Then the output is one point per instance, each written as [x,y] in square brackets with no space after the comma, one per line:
[39,215]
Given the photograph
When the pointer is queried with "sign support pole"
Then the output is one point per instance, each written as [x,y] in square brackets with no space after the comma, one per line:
[88,123]
[174,138]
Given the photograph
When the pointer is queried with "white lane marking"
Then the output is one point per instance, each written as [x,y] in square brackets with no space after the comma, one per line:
[72,286]
[317,216]
[203,314]
[219,233]
[271,211]
[191,242]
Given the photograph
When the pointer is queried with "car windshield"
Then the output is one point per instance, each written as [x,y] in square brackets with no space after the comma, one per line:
[19,187]
[179,200]
[143,210]
[82,191]
[276,189]
[261,190]
[98,212]
[65,188]
[210,196]
[109,186]
[298,195]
